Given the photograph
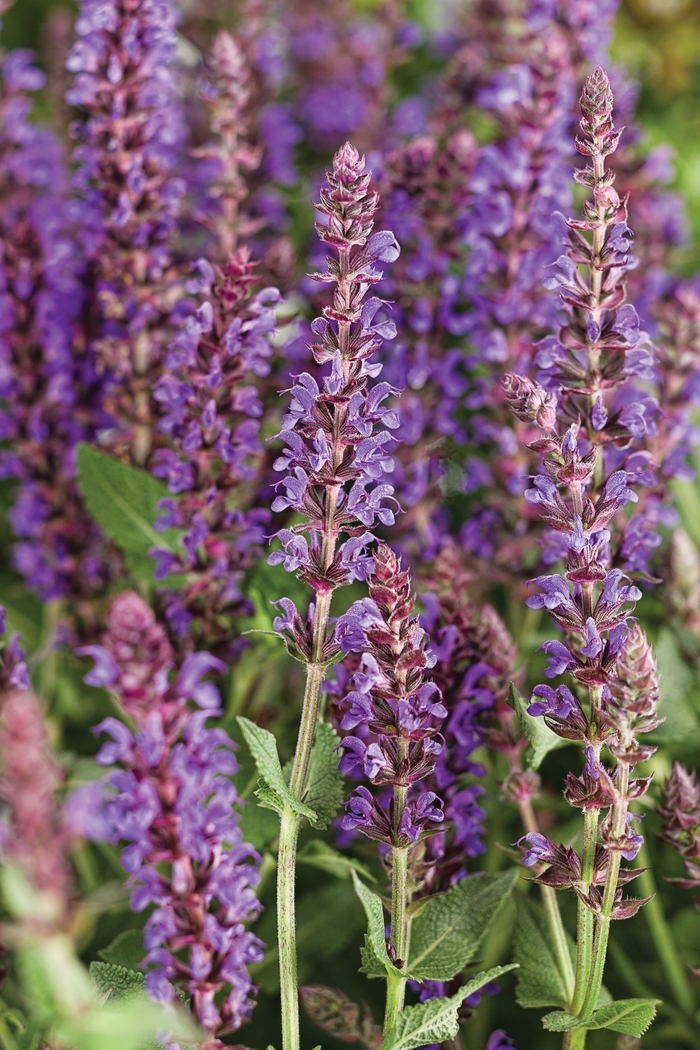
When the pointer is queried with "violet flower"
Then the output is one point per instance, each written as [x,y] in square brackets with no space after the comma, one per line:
[170,800]
[393,713]
[123,61]
[591,601]
[47,389]
[210,412]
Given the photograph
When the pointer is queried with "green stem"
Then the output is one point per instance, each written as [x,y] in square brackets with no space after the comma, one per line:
[286,929]
[396,986]
[551,906]
[575,1040]
[289,833]
[585,923]
[49,665]
[673,967]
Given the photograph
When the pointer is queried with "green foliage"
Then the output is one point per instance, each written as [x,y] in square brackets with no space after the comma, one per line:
[435,1021]
[447,931]
[675,682]
[539,982]
[318,854]
[328,920]
[629,1016]
[325,792]
[123,500]
[116,982]
[375,958]
[273,792]
[541,738]
[126,950]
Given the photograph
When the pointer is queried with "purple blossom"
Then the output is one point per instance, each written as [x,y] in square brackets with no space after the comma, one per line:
[174,773]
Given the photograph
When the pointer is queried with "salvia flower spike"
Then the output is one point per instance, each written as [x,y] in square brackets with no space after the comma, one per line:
[580,494]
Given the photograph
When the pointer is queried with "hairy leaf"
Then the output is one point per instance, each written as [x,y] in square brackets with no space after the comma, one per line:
[126,950]
[435,1021]
[123,500]
[539,980]
[116,982]
[375,953]
[447,931]
[318,854]
[273,791]
[325,794]
[629,1016]
[542,739]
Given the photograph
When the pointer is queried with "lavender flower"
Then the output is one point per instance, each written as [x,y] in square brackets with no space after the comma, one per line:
[335,450]
[131,198]
[590,601]
[210,412]
[170,799]
[394,714]
[47,389]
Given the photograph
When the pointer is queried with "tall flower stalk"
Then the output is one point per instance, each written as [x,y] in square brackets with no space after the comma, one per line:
[169,799]
[336,449]
[581,430]
[396,717]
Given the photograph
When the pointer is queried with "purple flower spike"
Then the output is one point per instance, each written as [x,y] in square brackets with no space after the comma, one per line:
[169,800]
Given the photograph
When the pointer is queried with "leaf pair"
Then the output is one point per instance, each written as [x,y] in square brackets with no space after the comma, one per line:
[324,793]
[629,1016]
[445,934]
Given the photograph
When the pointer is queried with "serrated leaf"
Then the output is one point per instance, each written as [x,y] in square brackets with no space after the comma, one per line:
[447,931]
[325,793]
[541,738]
[123,500]
[375,953]
[126,950]
[372,966]
[273,792]
[539,980]
[629,1016]
[435,1021]
[318,854]
[117,982]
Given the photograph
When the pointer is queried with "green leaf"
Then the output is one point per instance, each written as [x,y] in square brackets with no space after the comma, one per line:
[541,738]
[123,500]
[273,791]
[447,931]
[375,955]
[435,1021]
[539,980]
[116,982]
[126,950]
[629,1016]
[675,683]
[128,1024]
[325,793]
[318,854]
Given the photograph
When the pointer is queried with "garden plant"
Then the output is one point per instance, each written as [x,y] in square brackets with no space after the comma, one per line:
[350,520]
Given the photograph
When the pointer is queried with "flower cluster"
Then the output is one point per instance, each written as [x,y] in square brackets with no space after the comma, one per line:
[210,412]
[331,432]
[590,601]
[171,800]
[394,713]
[130,195]
[47,384]
[680,813]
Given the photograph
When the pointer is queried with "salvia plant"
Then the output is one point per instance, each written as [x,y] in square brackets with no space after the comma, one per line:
[350,622]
